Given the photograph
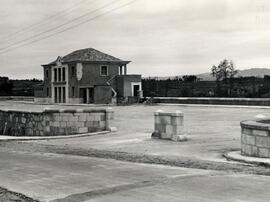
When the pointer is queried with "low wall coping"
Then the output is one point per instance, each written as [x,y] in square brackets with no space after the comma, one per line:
[213,98]
[256,124]
[176,113]
[107,110]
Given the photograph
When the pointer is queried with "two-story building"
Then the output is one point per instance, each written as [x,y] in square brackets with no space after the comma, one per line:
[87,76]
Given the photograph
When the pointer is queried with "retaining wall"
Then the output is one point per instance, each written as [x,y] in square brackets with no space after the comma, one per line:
[17,98]
[214,101]
[52,122]
[255,138]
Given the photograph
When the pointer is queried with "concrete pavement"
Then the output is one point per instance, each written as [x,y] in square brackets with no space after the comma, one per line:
[52,177]
[48,177]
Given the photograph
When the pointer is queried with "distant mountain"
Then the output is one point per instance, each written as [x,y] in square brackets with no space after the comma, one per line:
[257,72]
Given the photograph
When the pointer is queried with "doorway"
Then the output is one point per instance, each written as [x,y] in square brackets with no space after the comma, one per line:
[136,88]
[87,95]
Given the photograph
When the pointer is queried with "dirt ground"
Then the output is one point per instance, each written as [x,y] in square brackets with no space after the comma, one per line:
[211,130]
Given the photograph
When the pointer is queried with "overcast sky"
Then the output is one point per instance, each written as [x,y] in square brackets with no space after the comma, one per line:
[160,37]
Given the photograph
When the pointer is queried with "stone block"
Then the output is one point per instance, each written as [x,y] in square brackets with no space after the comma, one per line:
[56,124]
[178,130]
[177,120]
[47,128]
[90,117]
[79,124]
[70,124]
[78,114]
[157,119]
[65,118]
[161,128]
[250,139]
[263,152]
[248,150]
[83,130]
[261,141]
[102,124]
[166,136]
[63,124]
[73,118]
[254,151]
[89,123]
[243,138]
[102,117]
[165,120]
[169,130]
[97,117]
[260,133]
[179,138]
[247,131]
[23,120]
[82,117]
[47,118]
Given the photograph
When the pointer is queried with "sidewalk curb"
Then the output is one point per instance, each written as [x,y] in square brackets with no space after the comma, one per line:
[31,138]
[236,156]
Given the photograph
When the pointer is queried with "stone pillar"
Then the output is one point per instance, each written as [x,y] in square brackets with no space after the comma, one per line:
[121,70]
[108,118]
[169,126]
[87,96]
[52,86]
[125,69]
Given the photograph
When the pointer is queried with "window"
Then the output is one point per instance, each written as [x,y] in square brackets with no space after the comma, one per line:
[47,73]
[47,92]
[104,70]
[55,74]
[64,94]
[73,91]
[55,94]
[64,74]
[59,74]
[73,71]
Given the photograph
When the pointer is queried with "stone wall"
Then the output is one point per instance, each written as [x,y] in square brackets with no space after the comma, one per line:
[169,126]
[52,122]
[214,101]
[255,138]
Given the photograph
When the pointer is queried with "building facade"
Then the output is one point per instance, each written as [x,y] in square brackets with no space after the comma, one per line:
[87,76]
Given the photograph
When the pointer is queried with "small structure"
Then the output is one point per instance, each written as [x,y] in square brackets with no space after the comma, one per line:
[255,138]
[87,76]
[169,126]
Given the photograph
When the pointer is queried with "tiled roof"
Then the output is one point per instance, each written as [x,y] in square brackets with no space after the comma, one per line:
[89,54]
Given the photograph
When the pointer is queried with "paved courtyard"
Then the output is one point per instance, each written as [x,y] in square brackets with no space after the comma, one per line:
[67,170]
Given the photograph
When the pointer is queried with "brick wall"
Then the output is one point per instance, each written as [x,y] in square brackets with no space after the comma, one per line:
[52,122]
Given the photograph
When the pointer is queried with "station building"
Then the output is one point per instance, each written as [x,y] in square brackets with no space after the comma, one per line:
[87,76]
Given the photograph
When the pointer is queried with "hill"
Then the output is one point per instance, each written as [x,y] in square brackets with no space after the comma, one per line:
[257,72]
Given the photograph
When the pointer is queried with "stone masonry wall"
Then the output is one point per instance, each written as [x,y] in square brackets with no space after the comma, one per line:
[169,126]
[52,122]
[255,140]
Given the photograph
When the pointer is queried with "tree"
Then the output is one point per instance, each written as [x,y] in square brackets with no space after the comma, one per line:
[190,78]
[224,71]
